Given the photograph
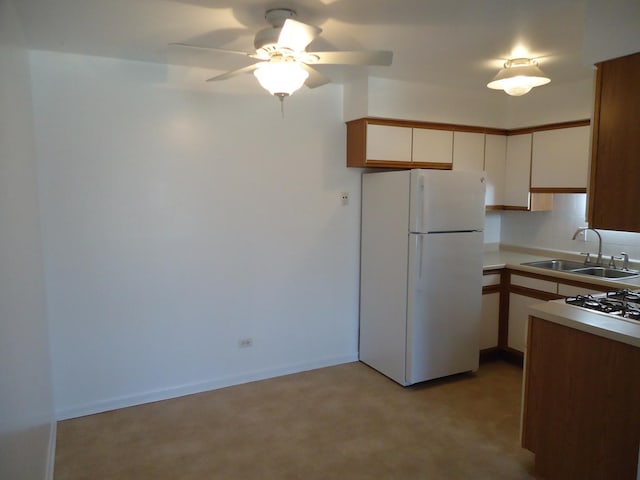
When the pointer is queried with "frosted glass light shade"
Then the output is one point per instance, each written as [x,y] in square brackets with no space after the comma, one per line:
[281,78]
[518,77]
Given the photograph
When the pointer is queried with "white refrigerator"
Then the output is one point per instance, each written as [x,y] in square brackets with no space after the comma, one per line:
[421,272]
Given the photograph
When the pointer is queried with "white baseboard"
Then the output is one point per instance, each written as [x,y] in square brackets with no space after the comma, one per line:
[213,384]
[51,459]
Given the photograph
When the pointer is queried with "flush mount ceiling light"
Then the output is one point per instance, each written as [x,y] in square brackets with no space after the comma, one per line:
[281,77]
[518,77]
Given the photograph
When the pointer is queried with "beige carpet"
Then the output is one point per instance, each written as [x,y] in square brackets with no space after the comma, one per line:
[343,422]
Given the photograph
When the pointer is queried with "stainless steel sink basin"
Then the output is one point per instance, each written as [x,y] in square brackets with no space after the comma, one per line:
[581,269]
[556,264]
[606,272]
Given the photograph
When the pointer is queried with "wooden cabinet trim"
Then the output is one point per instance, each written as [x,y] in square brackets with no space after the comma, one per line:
[529,292]
[491,289]
[595,131]
[557,190]
[429,125]
[550,126]
[469,128]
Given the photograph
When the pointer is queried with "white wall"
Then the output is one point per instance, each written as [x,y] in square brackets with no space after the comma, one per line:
[26,407]
[554,229]
[415,101]
[551,103]
[612,29]
[177,222]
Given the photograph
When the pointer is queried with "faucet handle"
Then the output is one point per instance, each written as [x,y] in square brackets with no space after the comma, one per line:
[625,260]
[612,261]
[587,258]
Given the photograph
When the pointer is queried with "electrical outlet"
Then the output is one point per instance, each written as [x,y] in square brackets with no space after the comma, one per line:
[344,196]
[245,342]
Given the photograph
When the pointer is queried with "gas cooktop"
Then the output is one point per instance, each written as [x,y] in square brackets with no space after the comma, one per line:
[620,303]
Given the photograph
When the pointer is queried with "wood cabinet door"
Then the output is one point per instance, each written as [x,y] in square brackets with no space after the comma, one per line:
[560,159]
[388,143]
[613,194]
[517,171]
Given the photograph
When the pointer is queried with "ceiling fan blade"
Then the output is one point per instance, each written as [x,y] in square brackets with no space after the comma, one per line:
[233,73]
[315,79]
[362,57]
[296,35]
[214,49]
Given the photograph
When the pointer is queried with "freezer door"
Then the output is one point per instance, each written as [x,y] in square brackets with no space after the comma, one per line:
[446,201]
[444,304]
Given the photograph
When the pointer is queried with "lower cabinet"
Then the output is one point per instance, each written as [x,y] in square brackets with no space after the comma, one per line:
[504,322]
[581,411]
[490,320]
[525,290]
[518,317]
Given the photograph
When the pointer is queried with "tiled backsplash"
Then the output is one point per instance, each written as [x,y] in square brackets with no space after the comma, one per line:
[553,230]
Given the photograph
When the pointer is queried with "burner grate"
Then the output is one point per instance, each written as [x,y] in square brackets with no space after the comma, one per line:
[621,303]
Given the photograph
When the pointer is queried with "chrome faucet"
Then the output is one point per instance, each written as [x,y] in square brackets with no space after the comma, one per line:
[582,229]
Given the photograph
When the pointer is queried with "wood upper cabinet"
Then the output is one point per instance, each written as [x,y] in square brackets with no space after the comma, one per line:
[560,159]
[615,162]
[398,144]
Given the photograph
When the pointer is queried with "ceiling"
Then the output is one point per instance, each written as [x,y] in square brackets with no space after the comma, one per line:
[459,43]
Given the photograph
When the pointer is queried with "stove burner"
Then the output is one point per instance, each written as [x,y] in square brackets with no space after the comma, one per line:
[624,295]
[621,303]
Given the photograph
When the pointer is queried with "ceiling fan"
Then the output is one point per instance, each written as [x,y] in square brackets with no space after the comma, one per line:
[283,63]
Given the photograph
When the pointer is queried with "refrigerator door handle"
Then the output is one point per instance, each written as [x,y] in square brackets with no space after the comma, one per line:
[420,201]
[419,256]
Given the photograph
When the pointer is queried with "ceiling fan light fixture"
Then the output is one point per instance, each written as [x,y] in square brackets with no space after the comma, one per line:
[518,77]
[281,78]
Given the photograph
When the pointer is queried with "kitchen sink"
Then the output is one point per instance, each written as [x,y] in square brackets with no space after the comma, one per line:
[606,272]
[556,264]
[580,268]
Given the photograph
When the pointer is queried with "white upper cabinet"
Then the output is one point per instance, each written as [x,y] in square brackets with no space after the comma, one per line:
[432,146]
[517,170]
[388,143]
[560,159]
[468,151]
[495,158]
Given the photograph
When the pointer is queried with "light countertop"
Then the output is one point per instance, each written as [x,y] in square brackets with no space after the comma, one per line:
[613,328]
[512,257]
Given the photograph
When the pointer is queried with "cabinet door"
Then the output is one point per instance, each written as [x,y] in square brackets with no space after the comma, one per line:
[518,317]
[432,146]
[613,199]
[468,151]
[495,157]
[490,320]
[517,171]
[560,158]
[388,143]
